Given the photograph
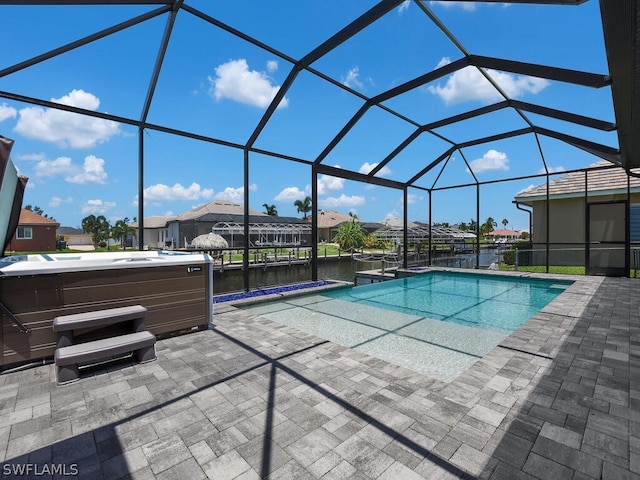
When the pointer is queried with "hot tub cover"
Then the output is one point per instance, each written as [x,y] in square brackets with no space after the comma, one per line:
[11,193]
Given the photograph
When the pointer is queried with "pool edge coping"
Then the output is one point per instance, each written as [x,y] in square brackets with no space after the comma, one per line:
[522,340]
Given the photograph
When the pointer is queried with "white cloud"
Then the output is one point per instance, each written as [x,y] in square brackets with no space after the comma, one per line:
[50,168]
[290,194]
[468,6]
[92,171]
[236,82]
[404,6]
[329,183]
[235,194]
[552,169]
[469,84]
[526,189]
[33,157]
[413,198]
[97,207]
[7,112]
[67,129]
[392,214]
[57,201]
[443,61]
[272,66]
[160,192]
[492,160]
[367,167]
[341,201]
[351,79]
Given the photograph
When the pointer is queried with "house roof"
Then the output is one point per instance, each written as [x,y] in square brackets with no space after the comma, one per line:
[157,221]
[604,181]
[395,222]
[72,231]
[505,232]
[253,219]
[372,225]
[330,219]
[218,211]
[27,217]
[217,207]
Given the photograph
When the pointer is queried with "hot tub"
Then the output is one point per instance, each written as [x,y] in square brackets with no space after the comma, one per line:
[175,287]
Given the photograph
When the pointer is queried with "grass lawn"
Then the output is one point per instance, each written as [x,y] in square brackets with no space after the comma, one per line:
[543,269]
[557,269]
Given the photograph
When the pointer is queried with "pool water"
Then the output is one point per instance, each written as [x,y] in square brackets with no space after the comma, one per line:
[437,323]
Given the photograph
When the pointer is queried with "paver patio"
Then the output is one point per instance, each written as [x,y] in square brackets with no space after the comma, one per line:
[255,399]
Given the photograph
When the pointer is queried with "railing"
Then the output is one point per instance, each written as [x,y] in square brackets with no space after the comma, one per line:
[14,319]
[560,259]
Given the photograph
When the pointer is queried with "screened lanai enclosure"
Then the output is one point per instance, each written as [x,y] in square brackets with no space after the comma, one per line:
[420,234]
[434,111]
[266,234]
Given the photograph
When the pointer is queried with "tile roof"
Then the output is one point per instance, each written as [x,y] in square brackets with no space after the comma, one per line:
[395,222]
[72,231]
[329,218]
[505,232]
[216,207]
[155,221]
[603,181]
[27,217]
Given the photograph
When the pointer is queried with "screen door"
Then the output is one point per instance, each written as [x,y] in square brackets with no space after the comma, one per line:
[607,244]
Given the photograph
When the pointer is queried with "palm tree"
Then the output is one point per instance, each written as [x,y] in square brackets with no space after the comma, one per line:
[303,206]
[473,226]
[98,226]
[505,222]
[350,236]
[463,226]
[270,210]
[488,226]
[121,230]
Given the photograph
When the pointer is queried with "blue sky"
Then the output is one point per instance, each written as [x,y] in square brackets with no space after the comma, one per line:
[218,85]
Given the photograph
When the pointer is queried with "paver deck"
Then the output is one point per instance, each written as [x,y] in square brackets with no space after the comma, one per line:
[254,399]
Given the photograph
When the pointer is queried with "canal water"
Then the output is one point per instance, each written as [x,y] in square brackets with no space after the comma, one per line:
[345,268]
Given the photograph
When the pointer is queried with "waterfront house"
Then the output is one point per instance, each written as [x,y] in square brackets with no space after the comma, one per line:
[329,222]
[155,232]
[224,218]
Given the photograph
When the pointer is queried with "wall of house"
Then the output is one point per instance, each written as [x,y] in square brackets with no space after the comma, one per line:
[156,238]
[173,232]
[324,235]
[566,221]
[43,239]
[567,228]
[73,239]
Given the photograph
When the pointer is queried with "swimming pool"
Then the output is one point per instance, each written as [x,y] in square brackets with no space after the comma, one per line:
[436,323]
